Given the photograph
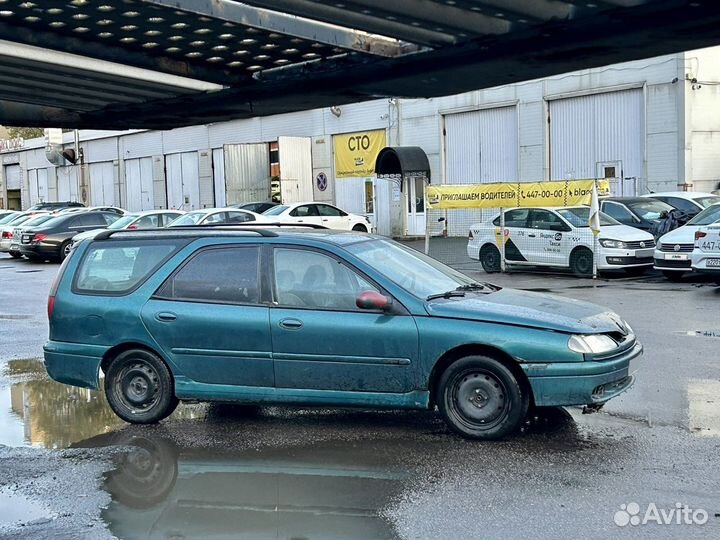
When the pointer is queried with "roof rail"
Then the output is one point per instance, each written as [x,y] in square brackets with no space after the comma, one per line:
[104,235]
[260,224]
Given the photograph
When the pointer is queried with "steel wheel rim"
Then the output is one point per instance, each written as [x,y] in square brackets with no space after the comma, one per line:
[583,263]
[489,259]
[138,387]
[66,250]
[479,399]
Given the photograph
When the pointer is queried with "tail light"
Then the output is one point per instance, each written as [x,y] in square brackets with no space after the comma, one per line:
[700,234]
[39,238]
[7,234]
[50,306]
[132,227]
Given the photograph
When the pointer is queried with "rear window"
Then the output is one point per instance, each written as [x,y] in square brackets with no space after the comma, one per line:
[118,267]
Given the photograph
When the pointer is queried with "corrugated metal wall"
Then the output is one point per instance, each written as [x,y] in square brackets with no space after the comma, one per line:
[480,147]
[296,179]
[588,130]
[185,139]
[146,144]
[247,172]
[101,150]
[159,183]
[218,168]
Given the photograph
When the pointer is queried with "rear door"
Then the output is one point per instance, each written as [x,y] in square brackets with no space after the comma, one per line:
[306,213]
[333,217]
[516,235]
[209,319]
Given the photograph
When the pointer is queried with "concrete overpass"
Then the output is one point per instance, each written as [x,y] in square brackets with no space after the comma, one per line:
[118,64]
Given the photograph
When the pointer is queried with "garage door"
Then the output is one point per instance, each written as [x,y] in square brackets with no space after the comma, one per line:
[139,184]
[67,183]
[480,147]
[12,176]
[183,181]
[102,188]
[38,185]
[597,136]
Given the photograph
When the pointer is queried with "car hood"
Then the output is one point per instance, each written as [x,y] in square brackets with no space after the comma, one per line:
[681,235]
[524,308]
[625,233]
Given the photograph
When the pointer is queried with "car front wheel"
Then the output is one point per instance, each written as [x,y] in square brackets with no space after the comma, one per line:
[673,276]
[490,259]
[360,228]
[139,387]
[581,262]
[480,398]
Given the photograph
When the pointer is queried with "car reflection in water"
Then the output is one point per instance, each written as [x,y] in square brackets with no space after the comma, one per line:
[160,491]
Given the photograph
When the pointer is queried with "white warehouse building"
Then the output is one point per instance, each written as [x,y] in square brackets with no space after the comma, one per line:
[652,124]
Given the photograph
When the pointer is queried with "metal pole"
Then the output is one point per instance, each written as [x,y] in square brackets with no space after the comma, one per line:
[595,250]
[427,221]
[502,240]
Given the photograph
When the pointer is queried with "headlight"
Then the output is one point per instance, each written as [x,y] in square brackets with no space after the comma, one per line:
[604,242]
[591,344]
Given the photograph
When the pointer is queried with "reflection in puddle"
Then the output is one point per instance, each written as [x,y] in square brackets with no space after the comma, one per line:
[18,510]
[159,491]
[704,407]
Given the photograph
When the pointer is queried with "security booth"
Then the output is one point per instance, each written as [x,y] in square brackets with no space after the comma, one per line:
[403,172]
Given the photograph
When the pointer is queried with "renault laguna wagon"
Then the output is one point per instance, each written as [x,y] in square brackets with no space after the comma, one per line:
[320,318]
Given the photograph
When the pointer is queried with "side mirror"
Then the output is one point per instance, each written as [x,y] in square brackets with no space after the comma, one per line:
[373,300]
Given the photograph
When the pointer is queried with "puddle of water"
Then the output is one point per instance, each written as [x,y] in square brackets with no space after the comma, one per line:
[159,491]
[16,510]
[704,407]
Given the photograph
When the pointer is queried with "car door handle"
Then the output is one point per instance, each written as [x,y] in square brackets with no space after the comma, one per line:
[531,235]
[325,219]
[291,324]
[166,316]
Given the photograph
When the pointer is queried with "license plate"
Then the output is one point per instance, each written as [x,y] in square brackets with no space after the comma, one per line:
[715,263]
[643,253]
[676,257]
[26,239]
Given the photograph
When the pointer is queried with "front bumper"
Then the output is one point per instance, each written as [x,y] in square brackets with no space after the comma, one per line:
[700,262]
[612,258]
[583,383]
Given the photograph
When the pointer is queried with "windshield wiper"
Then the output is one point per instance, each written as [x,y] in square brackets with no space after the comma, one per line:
[447,294]
[471,287]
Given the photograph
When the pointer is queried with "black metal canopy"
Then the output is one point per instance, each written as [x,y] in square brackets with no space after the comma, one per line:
[169,63]
[402,161]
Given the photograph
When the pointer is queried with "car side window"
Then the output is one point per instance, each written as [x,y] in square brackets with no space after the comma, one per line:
[682,204]
[147,222]
[306,210]
[617,211]
[543,219]
[312,280]
[169,218]
[328,211]
[239,217]
[218,275]
[220,217]
[516,218]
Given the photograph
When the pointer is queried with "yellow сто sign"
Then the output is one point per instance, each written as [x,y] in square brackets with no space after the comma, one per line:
[514,195]
[355,153]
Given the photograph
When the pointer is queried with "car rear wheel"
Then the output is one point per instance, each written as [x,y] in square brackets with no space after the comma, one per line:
[490,259]
[673,276]
[581,262]
[139,387]
[65,249]
[480,398]
[360,228]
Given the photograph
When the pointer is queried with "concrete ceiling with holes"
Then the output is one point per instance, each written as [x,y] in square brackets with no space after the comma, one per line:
[167,63]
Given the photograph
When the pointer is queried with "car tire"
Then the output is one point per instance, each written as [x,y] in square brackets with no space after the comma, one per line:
[480,398]
[139,387]
[65,249]
[490,259]
[581,262]
[635,270]
[360,228]
[673,276]
[15,254]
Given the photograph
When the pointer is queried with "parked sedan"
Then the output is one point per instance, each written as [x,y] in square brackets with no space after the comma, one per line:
[34,221]
[151,219]
[706,255]
[641,213]
[690,203]
[319,214]
[53,239]
[211,216]
[560,237]
[673,255]
[8,224]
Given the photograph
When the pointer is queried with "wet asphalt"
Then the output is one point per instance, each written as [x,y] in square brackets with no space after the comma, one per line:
[70,469]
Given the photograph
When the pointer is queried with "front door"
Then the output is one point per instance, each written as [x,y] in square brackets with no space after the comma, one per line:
[547,236]
[208,319]
[323,341]
[415,190]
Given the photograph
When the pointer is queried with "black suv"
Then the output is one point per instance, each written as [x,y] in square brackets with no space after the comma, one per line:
[53,239]
[56,205]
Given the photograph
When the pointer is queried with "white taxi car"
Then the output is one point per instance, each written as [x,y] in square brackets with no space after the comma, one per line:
[560,237]
[706,255]
[673,254]
[323,214]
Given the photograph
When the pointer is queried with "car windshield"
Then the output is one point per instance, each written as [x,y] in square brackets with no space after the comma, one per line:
[420,275]
[276,210]
[123,221]
[578,217]
[707,216]
[8,218]
[706,202]
[193,218]
[648,209]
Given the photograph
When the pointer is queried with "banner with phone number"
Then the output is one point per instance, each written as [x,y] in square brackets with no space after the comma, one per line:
[514,195]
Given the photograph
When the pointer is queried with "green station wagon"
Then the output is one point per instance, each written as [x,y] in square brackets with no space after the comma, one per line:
[320,318]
